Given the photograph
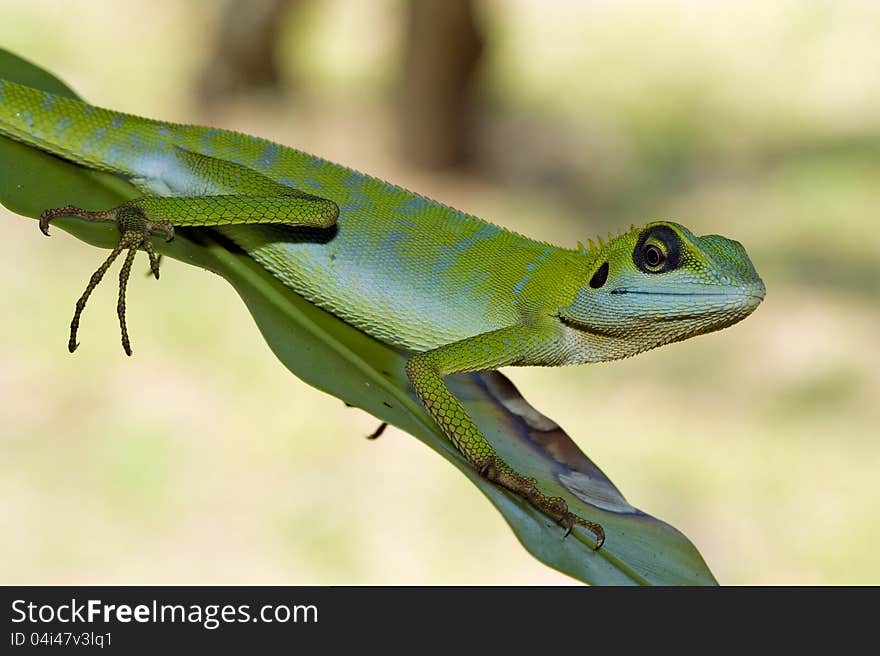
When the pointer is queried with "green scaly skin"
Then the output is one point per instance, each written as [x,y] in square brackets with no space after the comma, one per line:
[457,292]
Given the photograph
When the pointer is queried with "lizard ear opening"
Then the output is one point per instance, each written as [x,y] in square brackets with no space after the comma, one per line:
[599,277]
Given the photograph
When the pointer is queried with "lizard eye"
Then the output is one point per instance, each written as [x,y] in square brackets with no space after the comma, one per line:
[654,257]
[658,250]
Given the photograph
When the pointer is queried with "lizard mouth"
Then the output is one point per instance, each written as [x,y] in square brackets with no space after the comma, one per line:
[751,296]
[748,294]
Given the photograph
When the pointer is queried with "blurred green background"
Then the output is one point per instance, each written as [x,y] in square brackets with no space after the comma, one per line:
[202,460]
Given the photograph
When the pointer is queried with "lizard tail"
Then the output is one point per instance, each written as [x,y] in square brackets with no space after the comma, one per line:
[70,129]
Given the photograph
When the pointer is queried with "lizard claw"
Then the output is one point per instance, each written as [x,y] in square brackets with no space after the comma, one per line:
[568,524]
[376,433]
[570,519]
[600,537]
[45,217]
[164,227]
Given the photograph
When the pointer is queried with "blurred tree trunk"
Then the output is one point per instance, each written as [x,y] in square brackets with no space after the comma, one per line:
[244,50]
[436,109]
[441,53]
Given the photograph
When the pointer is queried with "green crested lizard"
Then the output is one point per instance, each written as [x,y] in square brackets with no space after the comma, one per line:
[459,294]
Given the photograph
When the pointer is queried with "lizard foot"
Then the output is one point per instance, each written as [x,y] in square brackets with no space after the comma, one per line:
[376,433]
[135,231]
[499,472]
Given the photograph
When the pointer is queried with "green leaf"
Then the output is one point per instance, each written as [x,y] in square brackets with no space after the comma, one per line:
[344,362]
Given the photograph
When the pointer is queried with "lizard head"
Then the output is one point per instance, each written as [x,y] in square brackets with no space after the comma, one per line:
[661,284]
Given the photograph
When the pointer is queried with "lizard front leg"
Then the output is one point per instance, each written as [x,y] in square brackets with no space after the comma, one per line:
[140,218]
[506,346]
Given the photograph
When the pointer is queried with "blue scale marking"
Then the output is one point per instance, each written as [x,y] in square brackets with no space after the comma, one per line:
[62,124]
[355,203]
[352,180]
[136,140]
[415,205]
[521,283]
[95,140]
[269,156]
[205,145]
[49,101]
